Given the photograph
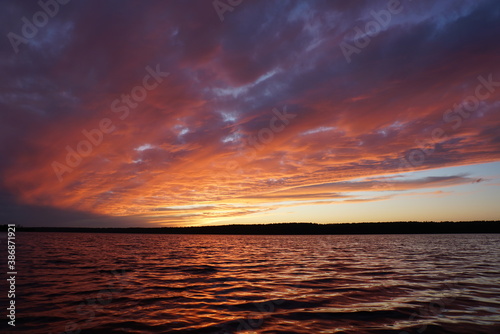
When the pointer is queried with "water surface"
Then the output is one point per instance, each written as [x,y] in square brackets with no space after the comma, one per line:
[134,283]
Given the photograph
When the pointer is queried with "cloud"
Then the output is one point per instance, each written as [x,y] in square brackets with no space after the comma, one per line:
[345,190]
[203,128]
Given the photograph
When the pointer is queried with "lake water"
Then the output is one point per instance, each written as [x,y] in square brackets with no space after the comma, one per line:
[133,283]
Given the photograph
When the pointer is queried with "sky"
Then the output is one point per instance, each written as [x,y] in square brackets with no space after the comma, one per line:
[182,113]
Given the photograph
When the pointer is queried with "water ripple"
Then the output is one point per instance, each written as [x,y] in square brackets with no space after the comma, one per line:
[83,283]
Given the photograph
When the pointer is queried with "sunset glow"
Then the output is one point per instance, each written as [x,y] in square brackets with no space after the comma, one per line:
[175,113]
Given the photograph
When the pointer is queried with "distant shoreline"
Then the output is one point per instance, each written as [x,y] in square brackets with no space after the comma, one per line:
[293,228]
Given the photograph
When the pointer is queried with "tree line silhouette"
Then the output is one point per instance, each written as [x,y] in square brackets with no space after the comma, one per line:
[293,228]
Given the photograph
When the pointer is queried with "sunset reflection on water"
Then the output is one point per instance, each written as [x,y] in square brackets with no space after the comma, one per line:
[126,283]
